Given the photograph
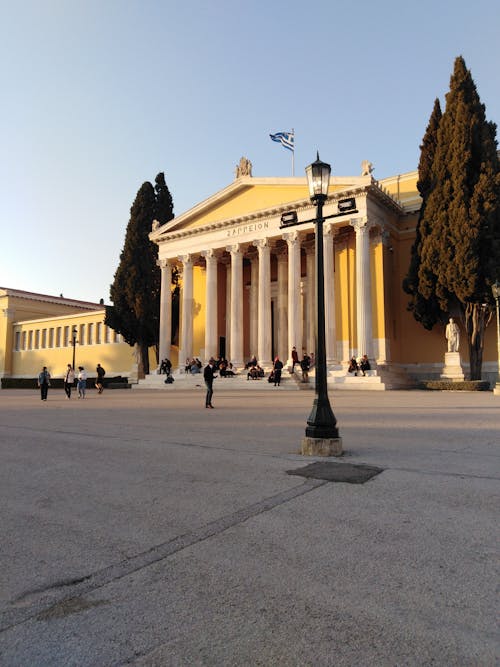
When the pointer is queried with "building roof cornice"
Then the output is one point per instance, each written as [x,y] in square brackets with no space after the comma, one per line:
[46,298]
[363,186]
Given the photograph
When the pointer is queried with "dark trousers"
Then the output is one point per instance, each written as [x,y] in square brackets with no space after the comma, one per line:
[210,393]
[67,389]
[44,388]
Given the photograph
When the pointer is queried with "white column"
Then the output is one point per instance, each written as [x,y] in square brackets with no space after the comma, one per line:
[330,330]
[187,309]
[236,349]
[211,348]
[228,306]
[264,305]
[254,300]
[310,301]
[294,302]
[165,309]
[363,287]
[282,306]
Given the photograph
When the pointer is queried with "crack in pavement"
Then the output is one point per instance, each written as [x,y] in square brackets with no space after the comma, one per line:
[91,582]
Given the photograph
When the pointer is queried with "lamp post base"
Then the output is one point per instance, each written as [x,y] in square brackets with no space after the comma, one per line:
[321,446]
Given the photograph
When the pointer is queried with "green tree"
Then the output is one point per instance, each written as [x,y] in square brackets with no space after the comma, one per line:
[426,311]
[459,245]
[135,292]
[164,206]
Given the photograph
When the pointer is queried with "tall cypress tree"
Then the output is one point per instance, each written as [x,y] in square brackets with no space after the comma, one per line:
[164,206]
[425,310]
[135,291]
[460,225]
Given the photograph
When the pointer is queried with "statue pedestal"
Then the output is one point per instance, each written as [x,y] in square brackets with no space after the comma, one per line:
[133,377]
[452,367]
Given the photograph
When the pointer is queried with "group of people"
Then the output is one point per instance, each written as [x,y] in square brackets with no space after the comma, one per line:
[359,365]
[193,366]
[304,364]
[69,381]
[225,368]
[254,370]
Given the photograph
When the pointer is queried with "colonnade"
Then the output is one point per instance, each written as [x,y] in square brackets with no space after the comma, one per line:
[288,306]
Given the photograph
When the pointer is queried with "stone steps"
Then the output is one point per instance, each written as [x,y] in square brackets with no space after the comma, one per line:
[238,382]
[338,380]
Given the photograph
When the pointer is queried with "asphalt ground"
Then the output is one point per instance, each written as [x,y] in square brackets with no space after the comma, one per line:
[139,528]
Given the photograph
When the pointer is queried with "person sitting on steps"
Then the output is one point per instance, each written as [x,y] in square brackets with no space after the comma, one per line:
[364,364]
[353,366]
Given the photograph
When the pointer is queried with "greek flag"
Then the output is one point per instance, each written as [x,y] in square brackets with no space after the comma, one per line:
[286,139]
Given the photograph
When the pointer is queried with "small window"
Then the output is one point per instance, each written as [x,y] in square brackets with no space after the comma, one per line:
[18,341]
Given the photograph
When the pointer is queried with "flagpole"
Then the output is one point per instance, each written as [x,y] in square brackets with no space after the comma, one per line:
[293,153]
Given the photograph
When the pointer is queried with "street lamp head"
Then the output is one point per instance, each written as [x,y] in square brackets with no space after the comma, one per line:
[495,288]
[318,179]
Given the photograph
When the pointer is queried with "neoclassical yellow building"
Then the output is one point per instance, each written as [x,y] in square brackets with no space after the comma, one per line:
[247,287]
[38,330]
[248,278]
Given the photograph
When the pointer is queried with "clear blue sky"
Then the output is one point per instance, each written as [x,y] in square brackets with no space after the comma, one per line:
[98,96]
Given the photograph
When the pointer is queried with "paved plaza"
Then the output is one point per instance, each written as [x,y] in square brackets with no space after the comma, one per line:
[139,528]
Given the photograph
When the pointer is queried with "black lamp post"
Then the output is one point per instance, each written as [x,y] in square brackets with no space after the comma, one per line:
[73,342]
[495,288]
[321,423]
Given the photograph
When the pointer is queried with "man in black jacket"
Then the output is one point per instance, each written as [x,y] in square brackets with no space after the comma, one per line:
[208,376]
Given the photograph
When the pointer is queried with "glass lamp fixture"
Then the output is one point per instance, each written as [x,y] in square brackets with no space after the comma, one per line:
[318,179]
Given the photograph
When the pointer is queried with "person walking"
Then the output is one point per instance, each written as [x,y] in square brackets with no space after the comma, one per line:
[44,383]
[305,365]
[82,382]
[100,378]
[208,376]
[295,359]
[277,368]
[69,379]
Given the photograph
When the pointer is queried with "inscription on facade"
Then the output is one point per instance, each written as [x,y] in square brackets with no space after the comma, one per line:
[247,229]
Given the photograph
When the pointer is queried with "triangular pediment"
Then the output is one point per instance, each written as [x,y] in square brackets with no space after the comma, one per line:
[248,196]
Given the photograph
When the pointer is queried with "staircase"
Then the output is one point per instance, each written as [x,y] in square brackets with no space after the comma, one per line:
[338,379]
[381,379]
[237,383]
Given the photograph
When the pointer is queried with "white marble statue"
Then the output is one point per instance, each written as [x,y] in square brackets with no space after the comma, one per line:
[244,168]
[452,335]
[366,168]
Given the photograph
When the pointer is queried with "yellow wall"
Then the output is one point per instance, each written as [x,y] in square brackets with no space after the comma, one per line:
[199,296]
[48,342]
[377,291]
